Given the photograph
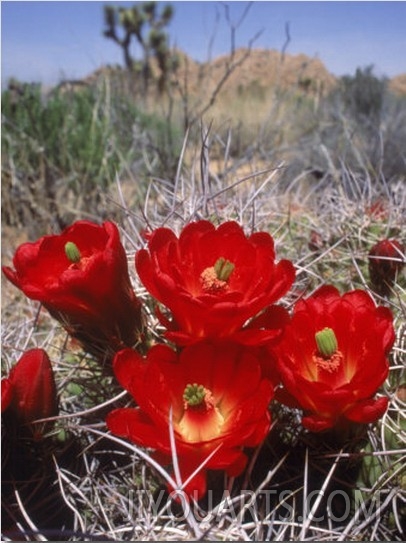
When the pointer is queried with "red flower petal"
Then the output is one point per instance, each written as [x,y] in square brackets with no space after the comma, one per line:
[195,487]
[314,423]
[6,393]
[135,425]
[128,365]
[367,411]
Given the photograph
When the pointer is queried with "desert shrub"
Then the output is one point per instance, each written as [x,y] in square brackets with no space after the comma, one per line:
[363,94]
[329,136]
[67,128]
[63,150]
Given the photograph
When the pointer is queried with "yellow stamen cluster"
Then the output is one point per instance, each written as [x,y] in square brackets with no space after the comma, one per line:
[214,280]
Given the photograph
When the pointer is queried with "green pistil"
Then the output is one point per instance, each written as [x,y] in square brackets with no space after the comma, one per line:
[223,268]
[72,252]
[326,342]
[194,394]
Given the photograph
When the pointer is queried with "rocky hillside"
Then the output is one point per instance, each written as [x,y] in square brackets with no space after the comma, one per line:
[398,84]
[252,71]
[255,70]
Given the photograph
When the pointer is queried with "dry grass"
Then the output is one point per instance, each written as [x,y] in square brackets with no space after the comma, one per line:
[109,489]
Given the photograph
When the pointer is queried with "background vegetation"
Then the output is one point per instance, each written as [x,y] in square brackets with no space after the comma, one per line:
[322,167]
[62,152]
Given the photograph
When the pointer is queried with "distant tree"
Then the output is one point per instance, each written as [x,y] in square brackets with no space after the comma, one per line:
[144,24]
[364,93]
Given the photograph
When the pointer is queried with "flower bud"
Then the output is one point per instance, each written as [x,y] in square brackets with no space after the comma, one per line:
[33,390]
[316,242]
[386,259]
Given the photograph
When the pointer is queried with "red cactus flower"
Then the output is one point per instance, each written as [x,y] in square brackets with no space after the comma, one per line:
[386,260]
[212,280]
[81,277]
[332,358]
[219,401]
[29,392]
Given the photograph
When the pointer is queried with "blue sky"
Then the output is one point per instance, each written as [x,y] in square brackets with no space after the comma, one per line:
[50,41]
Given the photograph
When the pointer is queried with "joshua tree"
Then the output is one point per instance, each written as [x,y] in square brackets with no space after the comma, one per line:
[146,25]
